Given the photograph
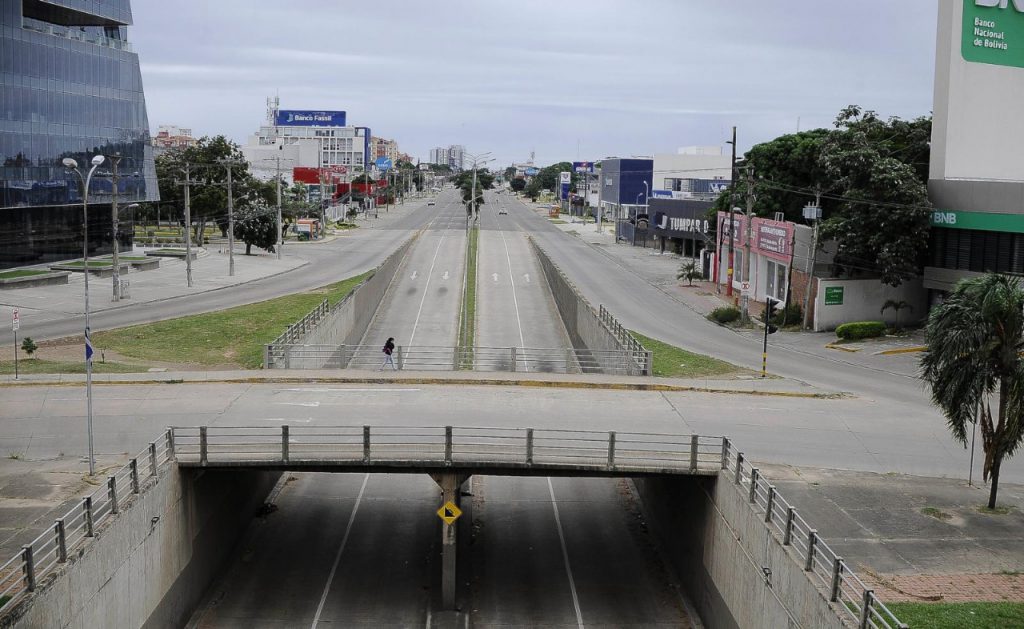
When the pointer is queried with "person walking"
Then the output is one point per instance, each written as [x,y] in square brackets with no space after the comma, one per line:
[389,359]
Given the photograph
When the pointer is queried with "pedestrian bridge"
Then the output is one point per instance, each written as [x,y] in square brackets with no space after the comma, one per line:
[465,449]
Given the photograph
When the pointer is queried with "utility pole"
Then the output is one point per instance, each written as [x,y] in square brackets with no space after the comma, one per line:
[280,236]
[115,160]
[815,215]
[745,311]
[732,218]
[229,164]
[187,183]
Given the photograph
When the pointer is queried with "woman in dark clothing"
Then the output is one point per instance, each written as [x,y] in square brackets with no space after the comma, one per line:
[389,348]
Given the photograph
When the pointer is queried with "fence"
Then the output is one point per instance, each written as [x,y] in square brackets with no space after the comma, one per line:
[590,330]
[824,567]
[440,358]
[297,331]
[26,571]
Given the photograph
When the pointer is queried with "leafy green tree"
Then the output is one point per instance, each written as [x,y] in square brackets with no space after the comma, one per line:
[518,185]
[974,359]
[464,181]
[29,346]
[883,219]
[256,225]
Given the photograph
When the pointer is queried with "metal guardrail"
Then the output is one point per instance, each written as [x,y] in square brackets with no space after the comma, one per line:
[297,330]
[823,565]
[434,358]
[445,446]
[641,355]
[40,558]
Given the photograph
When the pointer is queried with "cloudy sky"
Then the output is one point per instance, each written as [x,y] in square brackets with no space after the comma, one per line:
[565,78]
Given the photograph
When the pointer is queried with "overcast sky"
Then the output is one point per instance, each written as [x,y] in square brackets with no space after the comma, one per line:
[568,79]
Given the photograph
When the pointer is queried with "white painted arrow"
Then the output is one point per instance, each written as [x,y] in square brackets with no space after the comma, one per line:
[526,276]
[495,276]
[414,274]
[445,276]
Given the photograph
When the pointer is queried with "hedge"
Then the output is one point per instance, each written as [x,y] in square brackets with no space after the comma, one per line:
[860,330]
[725,314]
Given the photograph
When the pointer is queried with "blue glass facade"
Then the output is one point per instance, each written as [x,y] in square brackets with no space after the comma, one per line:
[70,86]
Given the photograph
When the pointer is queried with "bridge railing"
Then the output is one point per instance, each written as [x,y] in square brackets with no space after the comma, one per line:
[448,445]
[43,556]
[435,358]
[825,568]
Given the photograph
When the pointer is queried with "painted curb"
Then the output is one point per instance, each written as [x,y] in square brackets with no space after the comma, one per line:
[841,348]
[902,350]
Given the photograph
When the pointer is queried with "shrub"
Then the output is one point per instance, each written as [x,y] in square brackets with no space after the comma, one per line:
[860,330]
[29,346]
[792,314]
[725,314]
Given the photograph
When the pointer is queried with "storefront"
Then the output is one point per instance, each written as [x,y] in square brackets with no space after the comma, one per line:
[767,272]
[680,226]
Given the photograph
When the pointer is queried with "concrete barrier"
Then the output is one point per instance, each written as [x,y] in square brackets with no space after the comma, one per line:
[736,572]
[150,566]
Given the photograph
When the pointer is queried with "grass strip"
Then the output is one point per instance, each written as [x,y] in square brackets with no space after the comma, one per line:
[960,615]
[235,336]
[673,362]
[467,333]
[93,264]
[7,275]
[40,366]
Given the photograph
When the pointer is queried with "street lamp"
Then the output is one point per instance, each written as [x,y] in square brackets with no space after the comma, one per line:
[72,165]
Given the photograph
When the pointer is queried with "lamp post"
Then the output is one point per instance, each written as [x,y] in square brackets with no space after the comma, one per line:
[72,165]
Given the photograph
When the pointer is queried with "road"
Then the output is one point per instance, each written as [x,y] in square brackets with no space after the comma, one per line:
[358,550]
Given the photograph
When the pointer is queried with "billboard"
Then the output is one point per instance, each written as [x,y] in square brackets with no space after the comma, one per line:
[307,118]
[583,167]
[532,172]
[993,32]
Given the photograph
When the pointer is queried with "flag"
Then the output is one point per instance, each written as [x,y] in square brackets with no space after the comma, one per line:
[88,347]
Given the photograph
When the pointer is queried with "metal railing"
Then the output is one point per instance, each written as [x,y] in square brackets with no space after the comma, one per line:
[435,358]
[444,446]
[39,559]
[825,568]
[641,356]
[298,330]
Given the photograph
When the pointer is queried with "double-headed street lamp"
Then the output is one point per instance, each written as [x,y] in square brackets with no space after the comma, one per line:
[72,165]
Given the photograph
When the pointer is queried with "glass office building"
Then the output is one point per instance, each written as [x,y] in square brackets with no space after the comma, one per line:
[70,86]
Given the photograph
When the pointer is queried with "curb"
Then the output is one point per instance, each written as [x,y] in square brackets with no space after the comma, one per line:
[840,348]
[903,350]
[543,384]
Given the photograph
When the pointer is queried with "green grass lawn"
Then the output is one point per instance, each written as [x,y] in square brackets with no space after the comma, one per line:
[960,615]
[673,362]
[93,264]
[233,336]
[7,275]
[468,331]
[36,365]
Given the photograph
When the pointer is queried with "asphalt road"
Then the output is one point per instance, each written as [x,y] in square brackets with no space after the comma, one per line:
[347,550]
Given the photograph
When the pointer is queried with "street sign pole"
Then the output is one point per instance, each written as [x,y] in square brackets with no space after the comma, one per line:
[15,324]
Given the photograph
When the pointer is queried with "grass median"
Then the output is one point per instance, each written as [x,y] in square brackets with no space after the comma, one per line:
[673,362]
[235,336]
[28,366]
[960,615]
[467,333]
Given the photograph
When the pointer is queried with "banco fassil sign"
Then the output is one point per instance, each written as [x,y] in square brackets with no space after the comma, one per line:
[993,32]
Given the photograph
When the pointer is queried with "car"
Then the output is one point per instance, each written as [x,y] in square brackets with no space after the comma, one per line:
[502,211]
[430,203]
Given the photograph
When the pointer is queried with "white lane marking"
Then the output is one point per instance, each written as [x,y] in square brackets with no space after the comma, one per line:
[285,420]
[347,390]
[494,276]
[565,557]
[526,276]
[445,276]
[309,404]
[414,275]
[426,290]
[515,299]
[337,558]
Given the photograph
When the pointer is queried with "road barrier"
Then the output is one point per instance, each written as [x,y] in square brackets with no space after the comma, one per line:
[440,358]
[594,331]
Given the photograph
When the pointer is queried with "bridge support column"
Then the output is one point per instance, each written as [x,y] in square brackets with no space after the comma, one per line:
[450,484]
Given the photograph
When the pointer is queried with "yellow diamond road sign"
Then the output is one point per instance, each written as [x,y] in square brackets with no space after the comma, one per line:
[449,512]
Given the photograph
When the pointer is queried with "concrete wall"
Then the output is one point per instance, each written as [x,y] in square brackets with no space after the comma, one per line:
[586,331]
[349,319]
[863,301]
[150,566]
[718,546]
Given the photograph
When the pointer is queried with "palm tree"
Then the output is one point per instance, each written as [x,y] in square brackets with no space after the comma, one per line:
[896,306]
[689,272]
[975,340]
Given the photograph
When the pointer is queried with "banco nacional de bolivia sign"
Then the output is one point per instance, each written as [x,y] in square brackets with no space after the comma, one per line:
[993,32]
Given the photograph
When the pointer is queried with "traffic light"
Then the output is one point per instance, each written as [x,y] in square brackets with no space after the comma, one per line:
[769,313]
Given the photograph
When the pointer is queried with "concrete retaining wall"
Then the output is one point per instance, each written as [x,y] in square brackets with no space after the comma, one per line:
[348,320]
[150,566]
[587,333]
[720,547]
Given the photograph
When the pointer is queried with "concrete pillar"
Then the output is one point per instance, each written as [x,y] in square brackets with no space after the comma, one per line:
[450,484]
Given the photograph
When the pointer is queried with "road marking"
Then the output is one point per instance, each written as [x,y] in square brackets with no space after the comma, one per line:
[414,275]
[565,557]
[515,299]
[337,558]
[426,291]
[314,390]
[285,420]
[445,276]
[310,404]
[526,276]
[494,276]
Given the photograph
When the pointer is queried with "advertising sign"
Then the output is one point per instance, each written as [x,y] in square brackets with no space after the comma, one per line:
[305,118]
[383,163]
[583,167]
[773,238]
[565,178]
[531,172]
[993,32]
[834,295]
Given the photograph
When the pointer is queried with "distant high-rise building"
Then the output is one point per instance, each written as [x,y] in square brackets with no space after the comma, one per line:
[381,147]
[173,137]
[453,156]
[73,89]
